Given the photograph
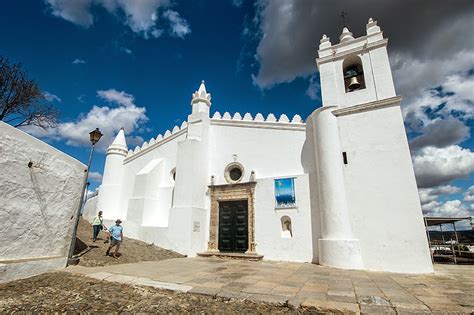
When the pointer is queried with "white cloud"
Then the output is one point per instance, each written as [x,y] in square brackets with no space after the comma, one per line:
[450,208]
[157,33]
[237,3]
[125,113]
[50,97]
[77,11]
[78,61]
[81,98]
[445,190]
[436,166]
[455,93]
[288,33]
[95,176]
[469,196]
[428,195]
[314,87]
[179,26]
[433,207]
[114,96]
[441,117]
[92,193]
[141,16]
[427,73]
[430,206]
[441,133]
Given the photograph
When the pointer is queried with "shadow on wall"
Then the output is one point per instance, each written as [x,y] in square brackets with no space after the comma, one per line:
[80,246]
[309,166]
[34,169]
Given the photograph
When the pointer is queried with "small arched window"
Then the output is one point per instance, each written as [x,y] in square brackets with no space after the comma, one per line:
[286,227]
[353,74]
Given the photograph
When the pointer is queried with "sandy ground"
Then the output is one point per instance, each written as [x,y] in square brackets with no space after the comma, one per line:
[92,254]
[64,292]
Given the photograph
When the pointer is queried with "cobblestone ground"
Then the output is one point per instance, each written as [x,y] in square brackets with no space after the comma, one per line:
[63,292]
[93,253]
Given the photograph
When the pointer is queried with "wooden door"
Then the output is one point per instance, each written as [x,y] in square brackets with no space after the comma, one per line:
[233,226]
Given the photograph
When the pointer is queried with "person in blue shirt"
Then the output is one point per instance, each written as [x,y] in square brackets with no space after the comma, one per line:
[116,238]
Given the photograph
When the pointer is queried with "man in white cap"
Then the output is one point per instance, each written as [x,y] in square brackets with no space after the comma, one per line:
[116,237]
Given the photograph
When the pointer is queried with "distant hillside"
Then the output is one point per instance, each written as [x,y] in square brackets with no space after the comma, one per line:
[463,236]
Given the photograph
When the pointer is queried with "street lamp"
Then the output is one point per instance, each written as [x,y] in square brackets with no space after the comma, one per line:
[94,137]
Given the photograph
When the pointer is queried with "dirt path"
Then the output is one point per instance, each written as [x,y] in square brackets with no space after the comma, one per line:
[93,253]
[63,292]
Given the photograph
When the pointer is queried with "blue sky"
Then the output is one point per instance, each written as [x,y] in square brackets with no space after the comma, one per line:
[136,63]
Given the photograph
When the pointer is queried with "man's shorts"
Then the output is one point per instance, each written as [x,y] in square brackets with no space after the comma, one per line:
[114,242]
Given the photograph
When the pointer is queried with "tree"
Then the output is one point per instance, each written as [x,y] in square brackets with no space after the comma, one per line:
[22,102]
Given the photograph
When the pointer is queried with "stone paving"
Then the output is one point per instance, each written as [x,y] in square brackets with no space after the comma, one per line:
[450,289]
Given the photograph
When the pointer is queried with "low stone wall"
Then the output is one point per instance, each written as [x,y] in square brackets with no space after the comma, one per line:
[20,269]
[40,190]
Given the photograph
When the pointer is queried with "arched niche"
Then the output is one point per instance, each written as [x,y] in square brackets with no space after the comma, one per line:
[286,227]
[353,73]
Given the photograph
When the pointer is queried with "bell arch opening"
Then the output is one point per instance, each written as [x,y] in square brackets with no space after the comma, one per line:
[353,73]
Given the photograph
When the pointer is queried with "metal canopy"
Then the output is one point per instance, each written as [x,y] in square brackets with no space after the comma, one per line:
[431,221]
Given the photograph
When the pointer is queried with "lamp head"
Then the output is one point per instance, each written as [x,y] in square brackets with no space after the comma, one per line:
[95,135]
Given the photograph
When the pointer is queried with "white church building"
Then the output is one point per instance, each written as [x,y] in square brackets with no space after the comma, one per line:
[338,189]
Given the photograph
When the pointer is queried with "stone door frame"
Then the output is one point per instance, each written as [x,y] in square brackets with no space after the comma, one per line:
[231,192]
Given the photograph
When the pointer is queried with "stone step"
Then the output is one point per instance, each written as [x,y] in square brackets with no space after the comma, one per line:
[243,256]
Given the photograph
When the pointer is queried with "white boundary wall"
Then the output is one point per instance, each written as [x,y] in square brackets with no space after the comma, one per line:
[37,204]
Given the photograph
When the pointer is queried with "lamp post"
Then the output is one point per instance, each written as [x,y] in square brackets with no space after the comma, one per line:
[94,136]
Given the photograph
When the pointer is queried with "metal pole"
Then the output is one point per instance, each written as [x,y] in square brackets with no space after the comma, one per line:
[457,239]
[78,212]
[442,235]
[454,254]
[429,240]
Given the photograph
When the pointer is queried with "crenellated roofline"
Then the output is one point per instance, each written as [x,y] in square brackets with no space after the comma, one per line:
[271,122]
[156,142]
[235,120]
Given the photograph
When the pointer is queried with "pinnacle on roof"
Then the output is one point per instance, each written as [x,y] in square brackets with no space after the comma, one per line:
[372,27]
[202,88]
[201,95]
[324,42]
[120,139]
[346,35]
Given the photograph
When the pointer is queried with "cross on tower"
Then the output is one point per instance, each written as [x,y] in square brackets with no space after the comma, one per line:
[343,17]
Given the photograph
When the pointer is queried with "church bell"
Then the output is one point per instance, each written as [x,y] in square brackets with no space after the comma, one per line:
[353,78]
[354,84]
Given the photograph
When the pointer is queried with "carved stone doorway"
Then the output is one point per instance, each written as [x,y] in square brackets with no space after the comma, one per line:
[232,192]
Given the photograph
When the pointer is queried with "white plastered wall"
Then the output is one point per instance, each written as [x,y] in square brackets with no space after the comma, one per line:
[268,152]
[147,194]
[271,242]
[271,154]
[381,191]
[157,179]
[37,204]
[90,208]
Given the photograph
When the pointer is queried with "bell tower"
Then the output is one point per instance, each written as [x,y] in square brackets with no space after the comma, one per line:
[356,70]
[363,179]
